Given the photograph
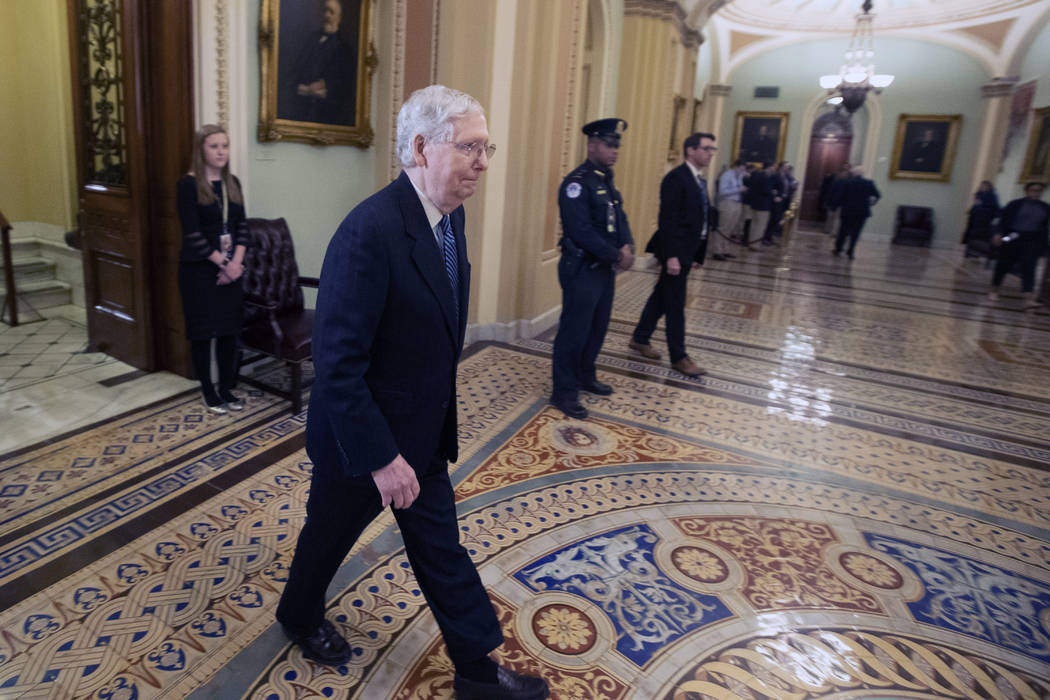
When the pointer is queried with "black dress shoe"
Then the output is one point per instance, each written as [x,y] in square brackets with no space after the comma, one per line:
[718,256]
[599,388]
[509,685]
[324,645]
[572,408]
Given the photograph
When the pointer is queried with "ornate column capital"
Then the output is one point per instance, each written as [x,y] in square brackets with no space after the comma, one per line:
[668,10]
[999,87]
[719,90]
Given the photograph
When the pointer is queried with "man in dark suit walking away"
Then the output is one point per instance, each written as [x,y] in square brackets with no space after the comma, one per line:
[388,332]
[681,240]
[854,199]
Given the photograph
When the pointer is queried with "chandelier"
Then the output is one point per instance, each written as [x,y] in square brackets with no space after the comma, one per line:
[857,76]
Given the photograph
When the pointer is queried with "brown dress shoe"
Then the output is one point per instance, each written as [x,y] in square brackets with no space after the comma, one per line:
[688,367]
[645,350]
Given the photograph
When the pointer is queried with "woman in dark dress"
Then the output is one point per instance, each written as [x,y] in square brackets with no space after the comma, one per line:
[214,237]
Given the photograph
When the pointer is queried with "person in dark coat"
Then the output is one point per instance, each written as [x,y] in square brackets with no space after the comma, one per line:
[388,331]
[681,242]
[855,198]
[760,189]
[596,242]
[980,217]
[321,86]
[1024,230]
[214,240]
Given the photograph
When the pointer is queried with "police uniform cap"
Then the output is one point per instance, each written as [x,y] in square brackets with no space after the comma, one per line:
[605,129]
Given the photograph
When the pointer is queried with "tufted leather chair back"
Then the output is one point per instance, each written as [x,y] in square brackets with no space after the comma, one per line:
[270,270]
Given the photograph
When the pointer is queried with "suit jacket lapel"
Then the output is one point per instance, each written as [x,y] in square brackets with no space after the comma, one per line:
[425,253]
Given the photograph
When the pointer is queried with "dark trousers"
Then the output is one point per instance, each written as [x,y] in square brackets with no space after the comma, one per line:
[776,212]
[339,509]
[849,229]
[1023,251]
[225,358]
[586,305]
[667,300]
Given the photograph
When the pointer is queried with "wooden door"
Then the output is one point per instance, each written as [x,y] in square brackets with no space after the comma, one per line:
[106,48]
[170,138]
[826,155]
[130,60]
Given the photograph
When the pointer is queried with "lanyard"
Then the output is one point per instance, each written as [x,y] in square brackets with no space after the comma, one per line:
[225,210]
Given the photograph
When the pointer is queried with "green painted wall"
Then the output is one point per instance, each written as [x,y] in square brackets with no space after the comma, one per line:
[312,187]
[1036,66]
[920,87]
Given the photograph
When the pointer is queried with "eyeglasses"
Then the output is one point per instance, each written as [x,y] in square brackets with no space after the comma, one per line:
[709,148]
[473,150]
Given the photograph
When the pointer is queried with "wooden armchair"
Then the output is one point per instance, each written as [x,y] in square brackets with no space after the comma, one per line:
[276,323]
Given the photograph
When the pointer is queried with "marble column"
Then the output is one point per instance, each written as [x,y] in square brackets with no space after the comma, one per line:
[657,74]
[994,122]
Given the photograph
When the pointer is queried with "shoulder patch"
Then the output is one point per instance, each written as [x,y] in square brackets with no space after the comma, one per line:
[573,190]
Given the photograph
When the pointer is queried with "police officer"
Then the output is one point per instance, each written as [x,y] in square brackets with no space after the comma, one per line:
[596,241]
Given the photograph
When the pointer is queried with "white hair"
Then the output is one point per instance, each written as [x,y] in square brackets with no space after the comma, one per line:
[857,170]
[430,113]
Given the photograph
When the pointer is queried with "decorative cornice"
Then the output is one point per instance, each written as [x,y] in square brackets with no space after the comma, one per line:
[719,90]
[667,10]
[999,87]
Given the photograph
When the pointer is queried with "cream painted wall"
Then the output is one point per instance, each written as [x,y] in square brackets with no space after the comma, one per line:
[313,187]
[920,87]
[1036,66]
[38,180]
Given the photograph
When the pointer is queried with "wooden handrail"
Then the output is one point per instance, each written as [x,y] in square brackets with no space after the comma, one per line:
[9,270]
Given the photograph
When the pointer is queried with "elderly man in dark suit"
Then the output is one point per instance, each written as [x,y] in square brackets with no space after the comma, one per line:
[855,197]
[388,332]
[681,241]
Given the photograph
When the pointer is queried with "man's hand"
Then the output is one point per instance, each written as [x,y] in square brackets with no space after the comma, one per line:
[673,266]
[397,483]
[627,257]
[222,277]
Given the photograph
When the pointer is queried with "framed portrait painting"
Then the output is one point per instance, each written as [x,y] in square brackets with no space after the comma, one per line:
[316,61]
[1037,158]
[925,147]
[759,137]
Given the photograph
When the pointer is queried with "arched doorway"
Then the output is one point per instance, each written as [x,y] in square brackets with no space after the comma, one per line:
[829,149]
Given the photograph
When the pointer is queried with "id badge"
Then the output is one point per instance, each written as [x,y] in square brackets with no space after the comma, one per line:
[226,244]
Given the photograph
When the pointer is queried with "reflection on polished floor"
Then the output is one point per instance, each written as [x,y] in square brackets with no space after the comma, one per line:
[854,502]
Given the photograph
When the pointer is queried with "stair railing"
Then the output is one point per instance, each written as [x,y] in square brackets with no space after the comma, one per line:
[9,272]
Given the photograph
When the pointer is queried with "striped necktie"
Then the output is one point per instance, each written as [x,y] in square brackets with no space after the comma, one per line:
[448,246]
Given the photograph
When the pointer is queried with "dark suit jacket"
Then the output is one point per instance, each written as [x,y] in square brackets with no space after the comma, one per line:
[386,339]
[856,196]
[760,187]
[681,220]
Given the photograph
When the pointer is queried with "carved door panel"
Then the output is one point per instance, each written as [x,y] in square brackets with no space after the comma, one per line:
[132,143]
[106,50]
[825,156]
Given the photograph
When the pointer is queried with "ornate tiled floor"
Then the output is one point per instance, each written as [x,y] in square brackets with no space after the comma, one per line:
[854,503]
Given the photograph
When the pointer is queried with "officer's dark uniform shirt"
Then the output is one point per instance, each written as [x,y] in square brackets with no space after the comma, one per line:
[594,225]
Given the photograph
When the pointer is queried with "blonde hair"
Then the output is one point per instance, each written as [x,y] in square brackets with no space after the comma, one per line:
[205,194]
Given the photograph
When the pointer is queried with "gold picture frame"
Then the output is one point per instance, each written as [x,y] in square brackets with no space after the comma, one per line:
[1037,157]
[759,137]
[316,84]
[674,146]
[924,148]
